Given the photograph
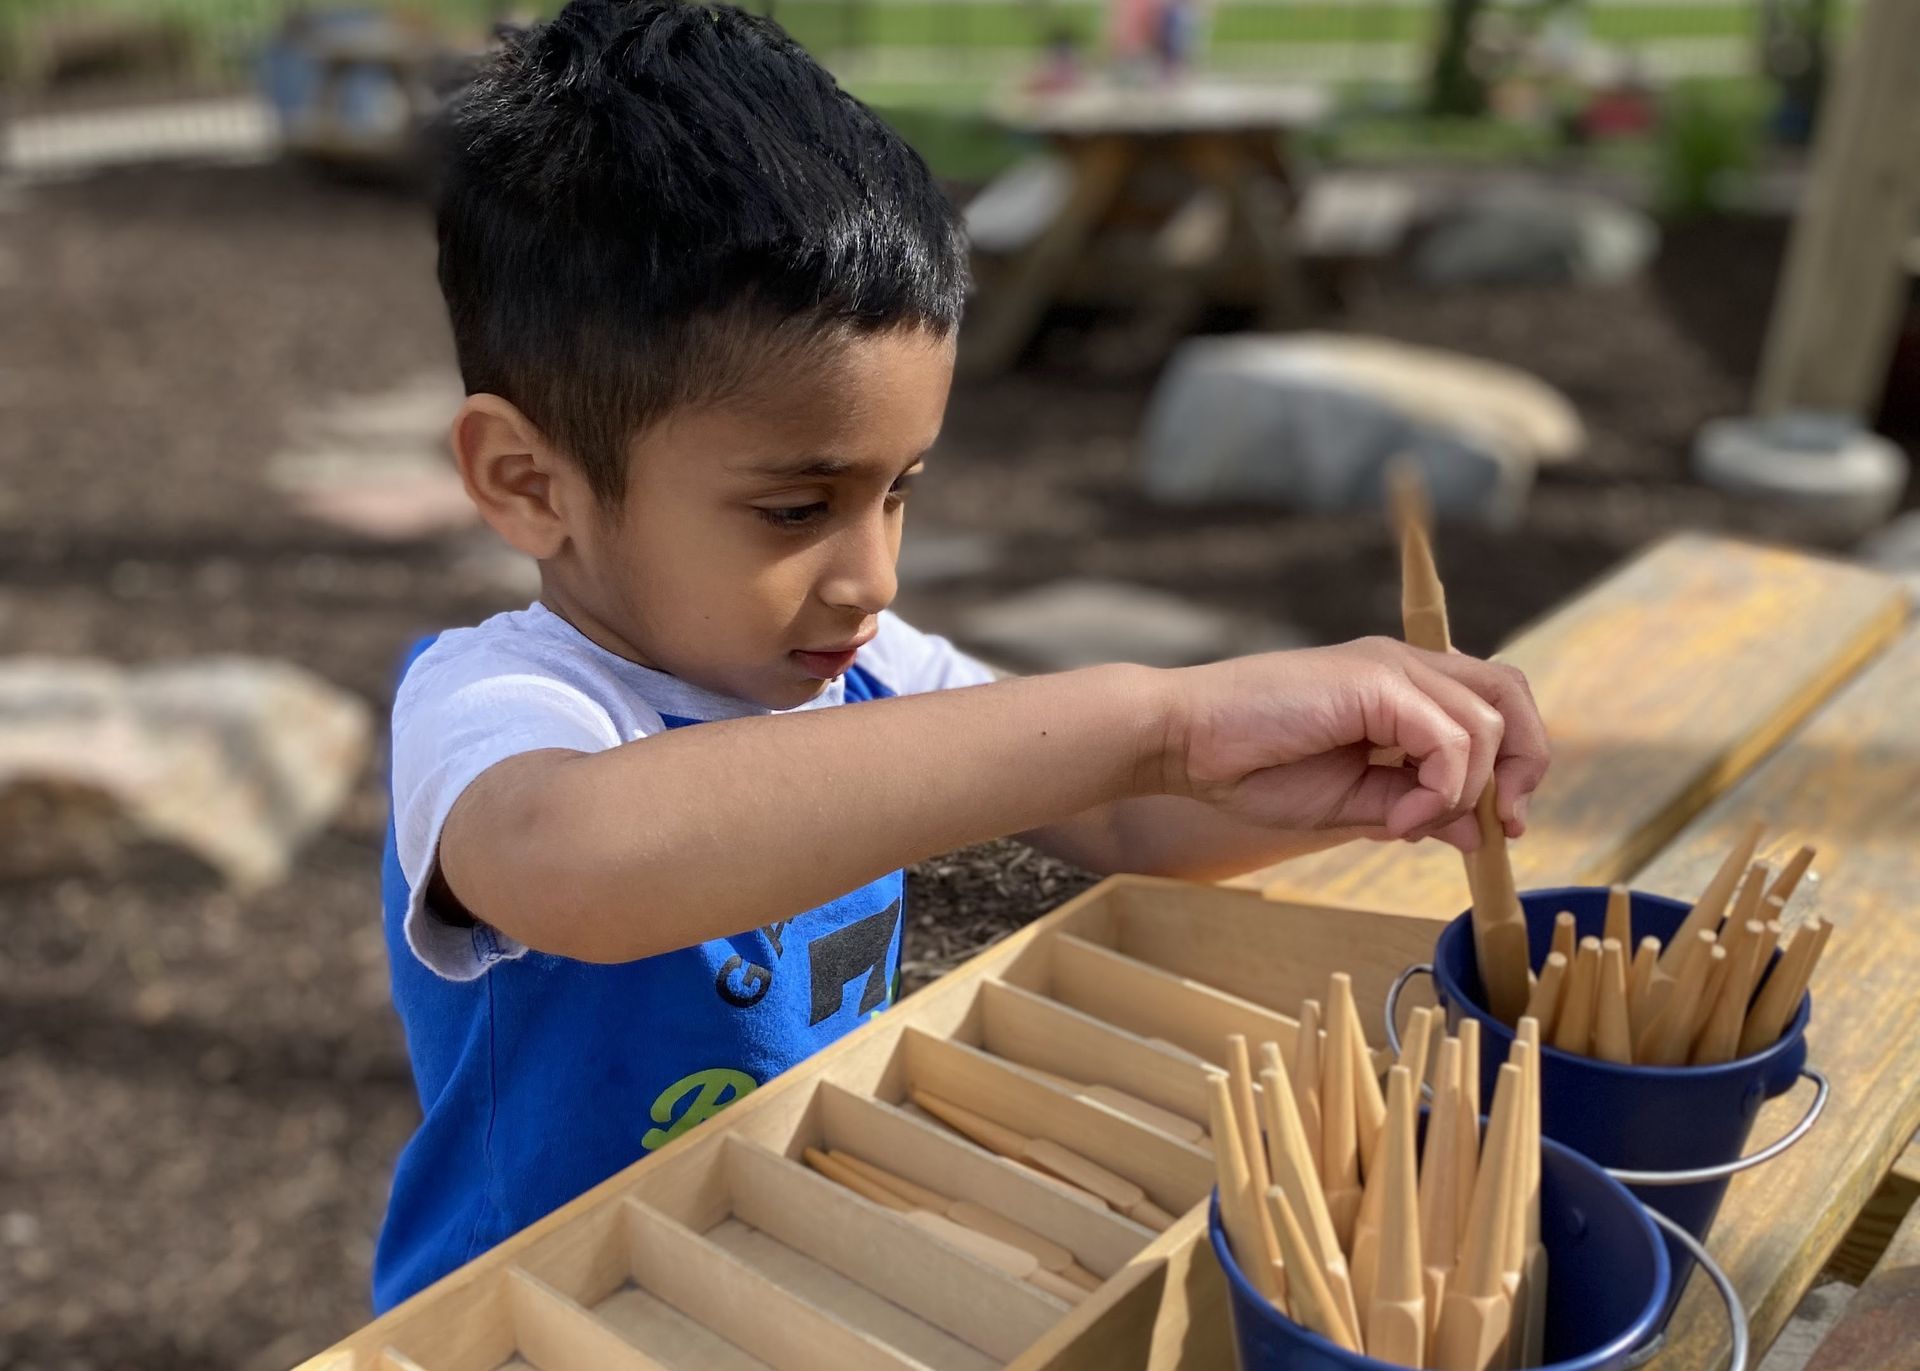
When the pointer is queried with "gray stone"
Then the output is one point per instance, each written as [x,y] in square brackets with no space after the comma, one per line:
[1827,465]
[236,761]
[932,556]
[1085,622]
[1535,237]
[1310,421]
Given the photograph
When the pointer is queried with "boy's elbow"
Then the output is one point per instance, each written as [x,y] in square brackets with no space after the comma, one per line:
[521,855]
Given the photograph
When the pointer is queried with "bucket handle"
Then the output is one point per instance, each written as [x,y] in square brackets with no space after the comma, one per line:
[1823,1090]
[1736,1311]
[1394,992]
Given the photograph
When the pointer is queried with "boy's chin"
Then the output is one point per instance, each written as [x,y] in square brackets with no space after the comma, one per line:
[789,690]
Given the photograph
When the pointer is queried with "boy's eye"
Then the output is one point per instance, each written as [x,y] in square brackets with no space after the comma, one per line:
[793,516]
[900,489]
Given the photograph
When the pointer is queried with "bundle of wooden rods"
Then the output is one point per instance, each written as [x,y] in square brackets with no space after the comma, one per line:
[1713,993]
[1423,1256]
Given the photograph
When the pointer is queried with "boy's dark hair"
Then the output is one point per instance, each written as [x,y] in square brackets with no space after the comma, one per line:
[649,204]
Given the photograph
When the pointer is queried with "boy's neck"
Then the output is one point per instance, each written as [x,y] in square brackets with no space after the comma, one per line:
[559,601]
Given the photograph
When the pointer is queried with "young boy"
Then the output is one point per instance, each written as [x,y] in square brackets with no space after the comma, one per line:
[649,830]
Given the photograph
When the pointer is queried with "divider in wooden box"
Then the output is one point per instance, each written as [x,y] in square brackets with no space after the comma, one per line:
[926,1154]
[1030,1030]
[1174,1175]
[1273,953]
[1145,1000]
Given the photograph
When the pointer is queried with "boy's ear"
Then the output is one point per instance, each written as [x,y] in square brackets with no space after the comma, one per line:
[521,485]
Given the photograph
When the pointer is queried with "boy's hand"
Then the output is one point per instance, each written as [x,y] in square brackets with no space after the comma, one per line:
[1284,740]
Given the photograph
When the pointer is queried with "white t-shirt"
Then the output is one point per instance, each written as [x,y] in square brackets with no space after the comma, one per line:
[527,680]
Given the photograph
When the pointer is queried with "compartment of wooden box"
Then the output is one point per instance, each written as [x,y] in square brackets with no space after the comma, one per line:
[748,1261]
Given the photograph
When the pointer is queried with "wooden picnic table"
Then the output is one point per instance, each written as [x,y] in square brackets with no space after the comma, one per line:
[1122,145]
[1705,684]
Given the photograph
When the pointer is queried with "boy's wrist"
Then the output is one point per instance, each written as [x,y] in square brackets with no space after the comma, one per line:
[1159,741]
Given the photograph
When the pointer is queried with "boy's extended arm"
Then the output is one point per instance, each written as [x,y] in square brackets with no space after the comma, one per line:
[703,832]
[1169,835]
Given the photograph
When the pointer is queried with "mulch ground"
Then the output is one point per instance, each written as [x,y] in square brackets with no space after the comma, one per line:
[201,1096]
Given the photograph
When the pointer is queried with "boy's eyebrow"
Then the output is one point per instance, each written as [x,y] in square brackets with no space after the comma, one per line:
[804,466]
[810,466]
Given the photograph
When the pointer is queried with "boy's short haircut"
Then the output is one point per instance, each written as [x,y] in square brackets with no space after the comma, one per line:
[652,204]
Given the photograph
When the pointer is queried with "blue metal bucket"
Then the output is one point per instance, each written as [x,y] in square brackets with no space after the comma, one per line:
[1674,1135]
[1607,1285]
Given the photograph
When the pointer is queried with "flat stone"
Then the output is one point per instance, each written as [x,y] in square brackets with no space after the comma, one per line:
[414,413]
[1535,237]
[1086,622]
[377,465]
[236,761]
[934,556]
[58,146]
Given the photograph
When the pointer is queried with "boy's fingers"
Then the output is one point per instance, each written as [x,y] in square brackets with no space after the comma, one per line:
[1400,714]
[1518,778]
[1463,833]
[1485,725]
[1524,750]
[1379,800]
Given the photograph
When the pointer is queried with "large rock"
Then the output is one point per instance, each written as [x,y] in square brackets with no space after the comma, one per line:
[234,760]
[1828,466]
[1535,237]
[1085,622]
[1310,421]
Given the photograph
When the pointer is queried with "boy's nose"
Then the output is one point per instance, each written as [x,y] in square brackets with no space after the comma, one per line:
[863,576]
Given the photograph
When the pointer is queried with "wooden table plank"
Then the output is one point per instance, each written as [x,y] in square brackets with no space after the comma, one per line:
[1881,1325]
[1661,685]
[1850,784]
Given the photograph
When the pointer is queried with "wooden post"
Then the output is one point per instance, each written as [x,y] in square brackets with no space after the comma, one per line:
[1834,321]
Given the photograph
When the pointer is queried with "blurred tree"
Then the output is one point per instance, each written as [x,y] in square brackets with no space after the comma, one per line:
[1456,88]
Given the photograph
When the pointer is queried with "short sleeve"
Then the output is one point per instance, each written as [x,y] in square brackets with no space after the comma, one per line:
[910,662]
[451,722]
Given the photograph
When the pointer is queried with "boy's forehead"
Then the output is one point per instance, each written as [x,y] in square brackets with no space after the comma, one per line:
[880,401]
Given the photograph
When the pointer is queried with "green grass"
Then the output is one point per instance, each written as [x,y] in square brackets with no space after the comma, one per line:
[829,25]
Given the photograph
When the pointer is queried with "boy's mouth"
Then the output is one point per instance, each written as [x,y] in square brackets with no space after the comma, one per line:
[826,663]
